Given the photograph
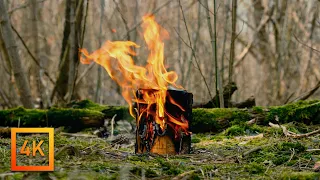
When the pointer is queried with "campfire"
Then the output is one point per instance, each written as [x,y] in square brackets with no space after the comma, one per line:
[162,114]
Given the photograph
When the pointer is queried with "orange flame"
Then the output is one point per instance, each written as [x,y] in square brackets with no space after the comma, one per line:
[116,58]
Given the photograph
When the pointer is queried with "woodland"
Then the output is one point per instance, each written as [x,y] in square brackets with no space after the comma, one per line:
[252,66]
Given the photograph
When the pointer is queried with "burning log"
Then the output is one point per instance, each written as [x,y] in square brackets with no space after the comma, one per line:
[174,137]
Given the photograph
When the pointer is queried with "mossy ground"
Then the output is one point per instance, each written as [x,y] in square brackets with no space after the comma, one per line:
[214,156]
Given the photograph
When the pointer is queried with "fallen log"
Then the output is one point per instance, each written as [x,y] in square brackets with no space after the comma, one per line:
[73,119]
[228,90]
[81,116]
[218,119]
[248,103]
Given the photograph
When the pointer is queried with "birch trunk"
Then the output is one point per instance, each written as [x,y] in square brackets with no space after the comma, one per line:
[19,73]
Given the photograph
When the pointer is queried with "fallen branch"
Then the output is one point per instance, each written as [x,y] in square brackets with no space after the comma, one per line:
[78,135]
[292,134]
[306,95]
[253,150]
[182,175]
[312,150]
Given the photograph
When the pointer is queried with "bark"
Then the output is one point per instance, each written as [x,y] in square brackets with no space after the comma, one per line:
[233,38]
[98,87]
[62,81]
[4,52]
[66,81]
[213,37]
[5,56]
[72,42]
[19,72]
[35,81]
[266,60]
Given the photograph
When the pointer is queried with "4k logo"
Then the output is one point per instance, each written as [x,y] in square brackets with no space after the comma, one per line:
[26,150]
[31,149]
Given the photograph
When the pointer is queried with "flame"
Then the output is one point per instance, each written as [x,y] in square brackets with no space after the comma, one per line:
[116,58]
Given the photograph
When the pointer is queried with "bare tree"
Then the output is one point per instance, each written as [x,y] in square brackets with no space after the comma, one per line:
[19,73]
[72,37]
[233,38]
[35,69]
[98,88]
[213,37]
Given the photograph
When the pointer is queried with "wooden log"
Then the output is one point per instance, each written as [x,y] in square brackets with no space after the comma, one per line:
[248,103]
[218,119]
[150,138]
[73,119]
[228,90]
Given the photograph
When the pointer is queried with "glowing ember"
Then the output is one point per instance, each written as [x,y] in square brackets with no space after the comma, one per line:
[116,58]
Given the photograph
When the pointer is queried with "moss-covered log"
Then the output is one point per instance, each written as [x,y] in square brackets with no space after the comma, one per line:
[86,114]
[216,119]
[108,111]
[75,119]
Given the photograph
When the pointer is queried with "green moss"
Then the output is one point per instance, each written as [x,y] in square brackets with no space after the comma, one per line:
[305,175]
[169,168]
[109,111]
[216,119]
[243,129]
[195,140]
[254,168]
[257,109]
[149,173]
[301,111]
[235,130]
[27,117]
[287,146]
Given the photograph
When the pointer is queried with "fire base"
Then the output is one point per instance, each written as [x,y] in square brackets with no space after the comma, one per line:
[172,140]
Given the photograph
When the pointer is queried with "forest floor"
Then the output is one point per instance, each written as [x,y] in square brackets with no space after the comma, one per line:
[256,152]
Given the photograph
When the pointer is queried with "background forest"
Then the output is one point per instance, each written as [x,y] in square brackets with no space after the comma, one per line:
[271,45]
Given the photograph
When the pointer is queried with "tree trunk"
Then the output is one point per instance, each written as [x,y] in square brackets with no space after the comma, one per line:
[233,37]
[98,87]
[61,85]
[72,42]
[5,56]
[19,73]
[214,51]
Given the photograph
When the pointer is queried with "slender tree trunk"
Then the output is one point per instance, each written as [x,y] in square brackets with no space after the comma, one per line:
[72,38]
[61,85]
[224,43]
[233,37]
[35,70]
[98,87]
[213,37]
[19,73]
[6,58]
